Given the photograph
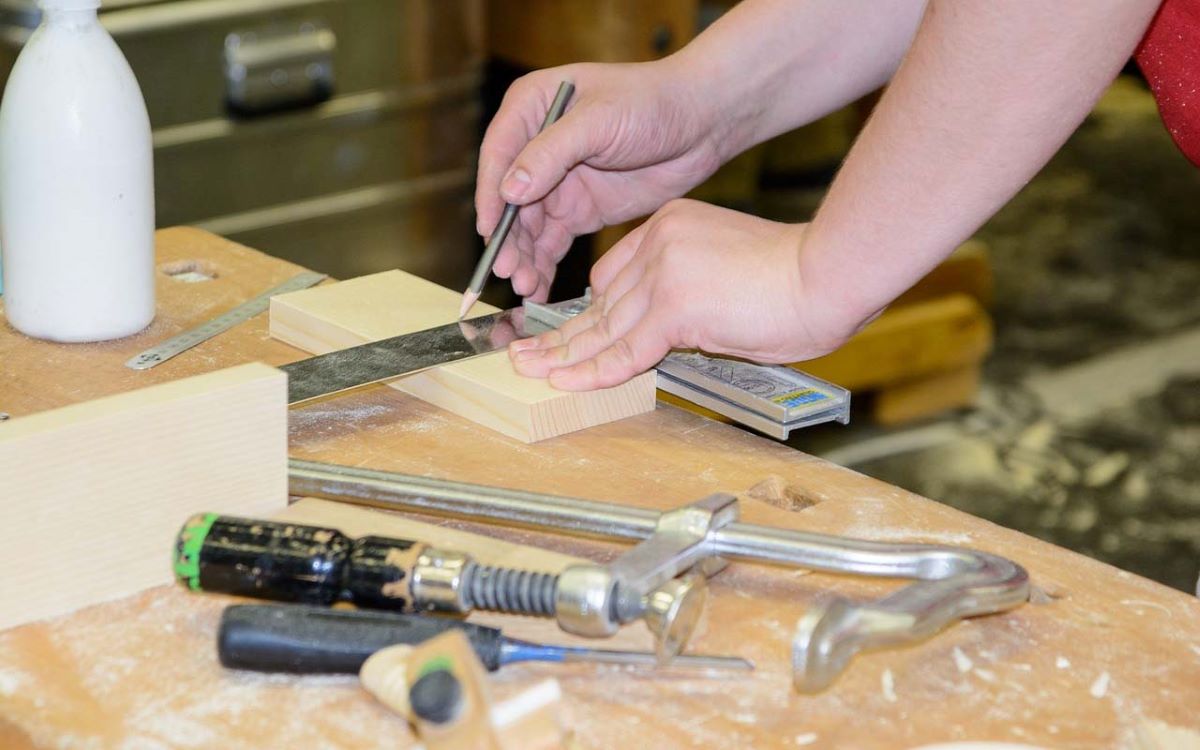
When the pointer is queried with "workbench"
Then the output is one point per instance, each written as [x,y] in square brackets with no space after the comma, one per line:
[1100,654]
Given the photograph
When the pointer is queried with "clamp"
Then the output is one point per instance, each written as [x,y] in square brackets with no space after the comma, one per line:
[594,600]
[948,583]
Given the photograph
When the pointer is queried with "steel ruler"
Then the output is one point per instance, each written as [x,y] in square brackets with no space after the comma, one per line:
[243,312]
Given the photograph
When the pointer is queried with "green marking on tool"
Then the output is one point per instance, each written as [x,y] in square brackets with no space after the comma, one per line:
[187,549]
[436,664]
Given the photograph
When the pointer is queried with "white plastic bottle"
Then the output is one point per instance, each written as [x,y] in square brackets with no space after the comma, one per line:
[76,184]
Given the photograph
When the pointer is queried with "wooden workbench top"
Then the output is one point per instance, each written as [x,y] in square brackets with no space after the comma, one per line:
[1105,656]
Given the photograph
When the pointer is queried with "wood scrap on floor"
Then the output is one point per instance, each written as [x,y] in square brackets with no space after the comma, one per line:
[486,390]
[95,492]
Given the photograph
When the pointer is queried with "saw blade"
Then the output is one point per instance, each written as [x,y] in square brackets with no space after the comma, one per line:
[404,355]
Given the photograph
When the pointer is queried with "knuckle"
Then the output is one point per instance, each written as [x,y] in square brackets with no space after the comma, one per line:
[622,353]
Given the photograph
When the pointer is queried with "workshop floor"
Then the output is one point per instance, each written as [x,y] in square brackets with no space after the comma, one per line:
[1087,432]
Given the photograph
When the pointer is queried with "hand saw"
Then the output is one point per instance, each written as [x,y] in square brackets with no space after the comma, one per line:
[773,400]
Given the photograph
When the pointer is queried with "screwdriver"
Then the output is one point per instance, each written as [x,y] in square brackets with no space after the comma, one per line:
[317,640]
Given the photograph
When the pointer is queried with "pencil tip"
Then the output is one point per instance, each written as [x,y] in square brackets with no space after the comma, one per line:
[469,300]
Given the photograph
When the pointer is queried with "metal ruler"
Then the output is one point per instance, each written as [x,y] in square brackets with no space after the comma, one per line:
[771,399]
[344,369]
[186,340]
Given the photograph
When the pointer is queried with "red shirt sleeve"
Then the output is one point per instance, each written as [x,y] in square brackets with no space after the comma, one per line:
[1169,56]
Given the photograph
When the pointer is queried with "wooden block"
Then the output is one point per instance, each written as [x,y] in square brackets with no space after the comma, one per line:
[94,493]
[485,390]
[916,399]
[910,342]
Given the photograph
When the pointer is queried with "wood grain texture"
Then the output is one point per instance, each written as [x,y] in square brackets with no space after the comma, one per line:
[485,390]
[95,492]
[140,672]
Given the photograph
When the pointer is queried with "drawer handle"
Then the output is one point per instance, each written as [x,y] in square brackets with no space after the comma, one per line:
[273,69]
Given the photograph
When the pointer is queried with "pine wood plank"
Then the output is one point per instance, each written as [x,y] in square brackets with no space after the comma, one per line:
[485,390]
[95,492]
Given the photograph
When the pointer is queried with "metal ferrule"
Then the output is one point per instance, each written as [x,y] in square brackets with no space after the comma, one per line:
[437,579]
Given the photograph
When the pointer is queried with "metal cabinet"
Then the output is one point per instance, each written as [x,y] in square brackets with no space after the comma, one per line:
[336,133]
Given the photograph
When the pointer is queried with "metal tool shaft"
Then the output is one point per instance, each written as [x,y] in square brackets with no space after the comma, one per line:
[952,582]
[514,650]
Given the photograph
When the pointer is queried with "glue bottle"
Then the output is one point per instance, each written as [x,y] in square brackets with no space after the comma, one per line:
[76,184]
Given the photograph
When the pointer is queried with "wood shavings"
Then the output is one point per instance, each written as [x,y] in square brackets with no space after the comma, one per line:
[887,684]
[804,739]
[9,683]
[986,675]
[1099,688]
[962,661]
[1062,662]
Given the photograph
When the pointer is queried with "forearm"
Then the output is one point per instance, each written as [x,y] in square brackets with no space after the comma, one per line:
[768,66]
[987,94]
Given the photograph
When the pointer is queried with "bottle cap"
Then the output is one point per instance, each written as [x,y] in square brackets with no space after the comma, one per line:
[69,4]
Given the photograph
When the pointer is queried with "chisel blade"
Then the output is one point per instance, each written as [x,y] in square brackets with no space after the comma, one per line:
[404,355]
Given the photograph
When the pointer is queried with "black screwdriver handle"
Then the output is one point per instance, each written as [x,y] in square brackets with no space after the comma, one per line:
[315,640]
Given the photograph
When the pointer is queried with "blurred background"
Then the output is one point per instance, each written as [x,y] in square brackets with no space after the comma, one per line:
[1046,377]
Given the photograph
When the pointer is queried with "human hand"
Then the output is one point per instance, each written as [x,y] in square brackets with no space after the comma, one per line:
[633,137]
[694,276]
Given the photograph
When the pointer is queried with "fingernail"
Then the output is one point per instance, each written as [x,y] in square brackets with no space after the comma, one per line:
[523,344]
[528,355]
[515,185]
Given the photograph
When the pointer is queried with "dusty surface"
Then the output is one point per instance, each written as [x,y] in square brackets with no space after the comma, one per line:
[1103,652]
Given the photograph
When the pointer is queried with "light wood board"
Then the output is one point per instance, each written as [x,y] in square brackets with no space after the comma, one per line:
[94,493]
[485,390]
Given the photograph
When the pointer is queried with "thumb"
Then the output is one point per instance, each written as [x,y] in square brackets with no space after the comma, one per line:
[547,158]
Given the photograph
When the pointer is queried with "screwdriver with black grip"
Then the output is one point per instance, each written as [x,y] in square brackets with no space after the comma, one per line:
[319,640]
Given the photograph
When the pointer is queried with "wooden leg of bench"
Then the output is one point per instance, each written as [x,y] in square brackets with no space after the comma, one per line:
[924,397]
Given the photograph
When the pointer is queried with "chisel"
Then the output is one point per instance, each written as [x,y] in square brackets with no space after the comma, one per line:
[316,640]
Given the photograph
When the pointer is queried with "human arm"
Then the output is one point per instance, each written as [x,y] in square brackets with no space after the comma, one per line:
[636,136]
[985,96]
